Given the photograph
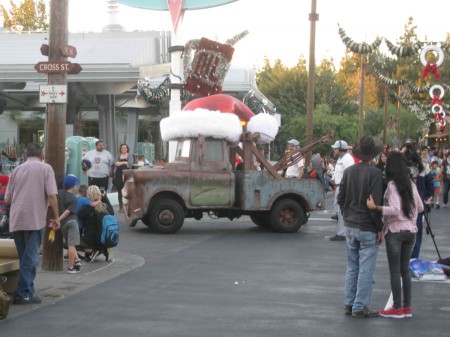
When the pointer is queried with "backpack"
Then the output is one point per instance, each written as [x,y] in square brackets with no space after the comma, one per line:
[109,236]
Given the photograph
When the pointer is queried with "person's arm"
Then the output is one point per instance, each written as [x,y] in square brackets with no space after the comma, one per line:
[53,201]
[64,215]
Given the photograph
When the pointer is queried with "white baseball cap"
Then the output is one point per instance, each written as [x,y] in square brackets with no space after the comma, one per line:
[294,142]
[340,144]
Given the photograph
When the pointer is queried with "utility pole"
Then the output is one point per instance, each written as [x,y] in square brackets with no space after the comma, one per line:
[361,95]
[398,115]
[56,123]
[385,113]
[313,17]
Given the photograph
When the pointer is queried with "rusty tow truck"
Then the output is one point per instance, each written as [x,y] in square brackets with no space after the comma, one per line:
[203,179]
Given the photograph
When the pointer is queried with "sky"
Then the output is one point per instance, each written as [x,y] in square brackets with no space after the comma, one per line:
[278,29]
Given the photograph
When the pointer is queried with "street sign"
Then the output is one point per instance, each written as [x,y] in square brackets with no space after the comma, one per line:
[67,50]
[52,93]
[55,67]
[45,49]
[76,69]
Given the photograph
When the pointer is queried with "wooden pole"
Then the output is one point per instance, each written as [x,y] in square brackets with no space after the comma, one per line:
[398,115]
[361,96]
[56,123]
[385,113]
[313,17]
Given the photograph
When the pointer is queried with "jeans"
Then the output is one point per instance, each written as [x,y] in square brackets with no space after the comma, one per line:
[362,249]
[446,190]
[398,248]
[27,244]
[418,244]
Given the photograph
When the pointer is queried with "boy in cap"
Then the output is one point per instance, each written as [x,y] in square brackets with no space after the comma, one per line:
[67,205]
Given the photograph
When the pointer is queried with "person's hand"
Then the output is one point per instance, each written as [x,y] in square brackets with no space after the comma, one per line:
[379,238]
[370,203]
[55,224]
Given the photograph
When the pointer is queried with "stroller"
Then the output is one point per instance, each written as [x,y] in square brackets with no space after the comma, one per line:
[4,209]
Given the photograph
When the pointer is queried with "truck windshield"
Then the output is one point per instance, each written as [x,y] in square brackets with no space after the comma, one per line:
[183,149]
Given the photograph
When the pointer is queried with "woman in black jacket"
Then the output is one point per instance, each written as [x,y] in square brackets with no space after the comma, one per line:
[92,216]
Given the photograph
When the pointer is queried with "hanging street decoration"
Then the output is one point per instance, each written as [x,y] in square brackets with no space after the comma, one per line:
[403,51]
[431,67]
[389,81]
[205,73]
[361,48]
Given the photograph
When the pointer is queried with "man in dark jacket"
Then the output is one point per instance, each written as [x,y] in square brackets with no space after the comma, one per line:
[363,227]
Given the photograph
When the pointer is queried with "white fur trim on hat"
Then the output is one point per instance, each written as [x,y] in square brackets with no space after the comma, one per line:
[265,124]
[188,124]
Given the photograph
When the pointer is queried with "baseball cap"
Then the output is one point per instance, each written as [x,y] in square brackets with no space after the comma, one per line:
[340,144]
[70,180]
[294,142]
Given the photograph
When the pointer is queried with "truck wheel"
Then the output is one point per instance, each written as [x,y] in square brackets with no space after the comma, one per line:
[261,219]
[287,216]
[166,216]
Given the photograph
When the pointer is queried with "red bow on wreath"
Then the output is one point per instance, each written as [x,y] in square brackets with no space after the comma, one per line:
[430,68]
[438,116]
[436,100]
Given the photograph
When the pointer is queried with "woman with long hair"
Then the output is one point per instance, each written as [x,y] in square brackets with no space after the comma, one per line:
[92,215]
[402,204]
[123,161]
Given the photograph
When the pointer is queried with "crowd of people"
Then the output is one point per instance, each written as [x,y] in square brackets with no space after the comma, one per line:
[77,210]
[379,193]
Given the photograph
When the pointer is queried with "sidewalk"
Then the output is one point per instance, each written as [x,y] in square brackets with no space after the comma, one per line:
[53,286]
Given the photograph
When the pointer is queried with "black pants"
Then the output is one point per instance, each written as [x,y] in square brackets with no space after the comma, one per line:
[102,183]
[399,247]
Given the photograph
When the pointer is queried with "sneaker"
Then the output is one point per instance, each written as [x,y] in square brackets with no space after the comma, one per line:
[77,264]
[337,238]
[365,313]
[66,257]
[432,205]
[92,255]
[392,313]
[73,270]
[444,206]
[407,312]
[334,217]
[348,310]
[27,300]
[437,206]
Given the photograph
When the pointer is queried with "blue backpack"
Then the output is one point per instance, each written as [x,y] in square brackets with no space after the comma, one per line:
[110,231]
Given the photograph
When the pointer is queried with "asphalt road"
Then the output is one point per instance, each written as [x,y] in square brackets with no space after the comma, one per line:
[231,278]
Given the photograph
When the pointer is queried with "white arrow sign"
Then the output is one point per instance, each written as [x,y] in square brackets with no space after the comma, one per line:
[53,93]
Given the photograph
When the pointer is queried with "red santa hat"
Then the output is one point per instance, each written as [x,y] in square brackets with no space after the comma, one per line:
[218,116]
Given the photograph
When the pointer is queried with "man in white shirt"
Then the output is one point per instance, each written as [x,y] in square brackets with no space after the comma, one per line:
[98,166]
[296,170]
[344,160]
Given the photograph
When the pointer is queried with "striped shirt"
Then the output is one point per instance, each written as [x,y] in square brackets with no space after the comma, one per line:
[29,187]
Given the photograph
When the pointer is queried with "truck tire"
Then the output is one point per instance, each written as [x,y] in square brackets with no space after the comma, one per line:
[261,219]
[287,216]
[166,216]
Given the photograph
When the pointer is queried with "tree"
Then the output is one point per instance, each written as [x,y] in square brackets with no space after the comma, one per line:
[29,16]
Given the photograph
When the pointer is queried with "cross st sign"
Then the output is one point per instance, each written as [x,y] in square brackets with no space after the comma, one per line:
[55,67]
